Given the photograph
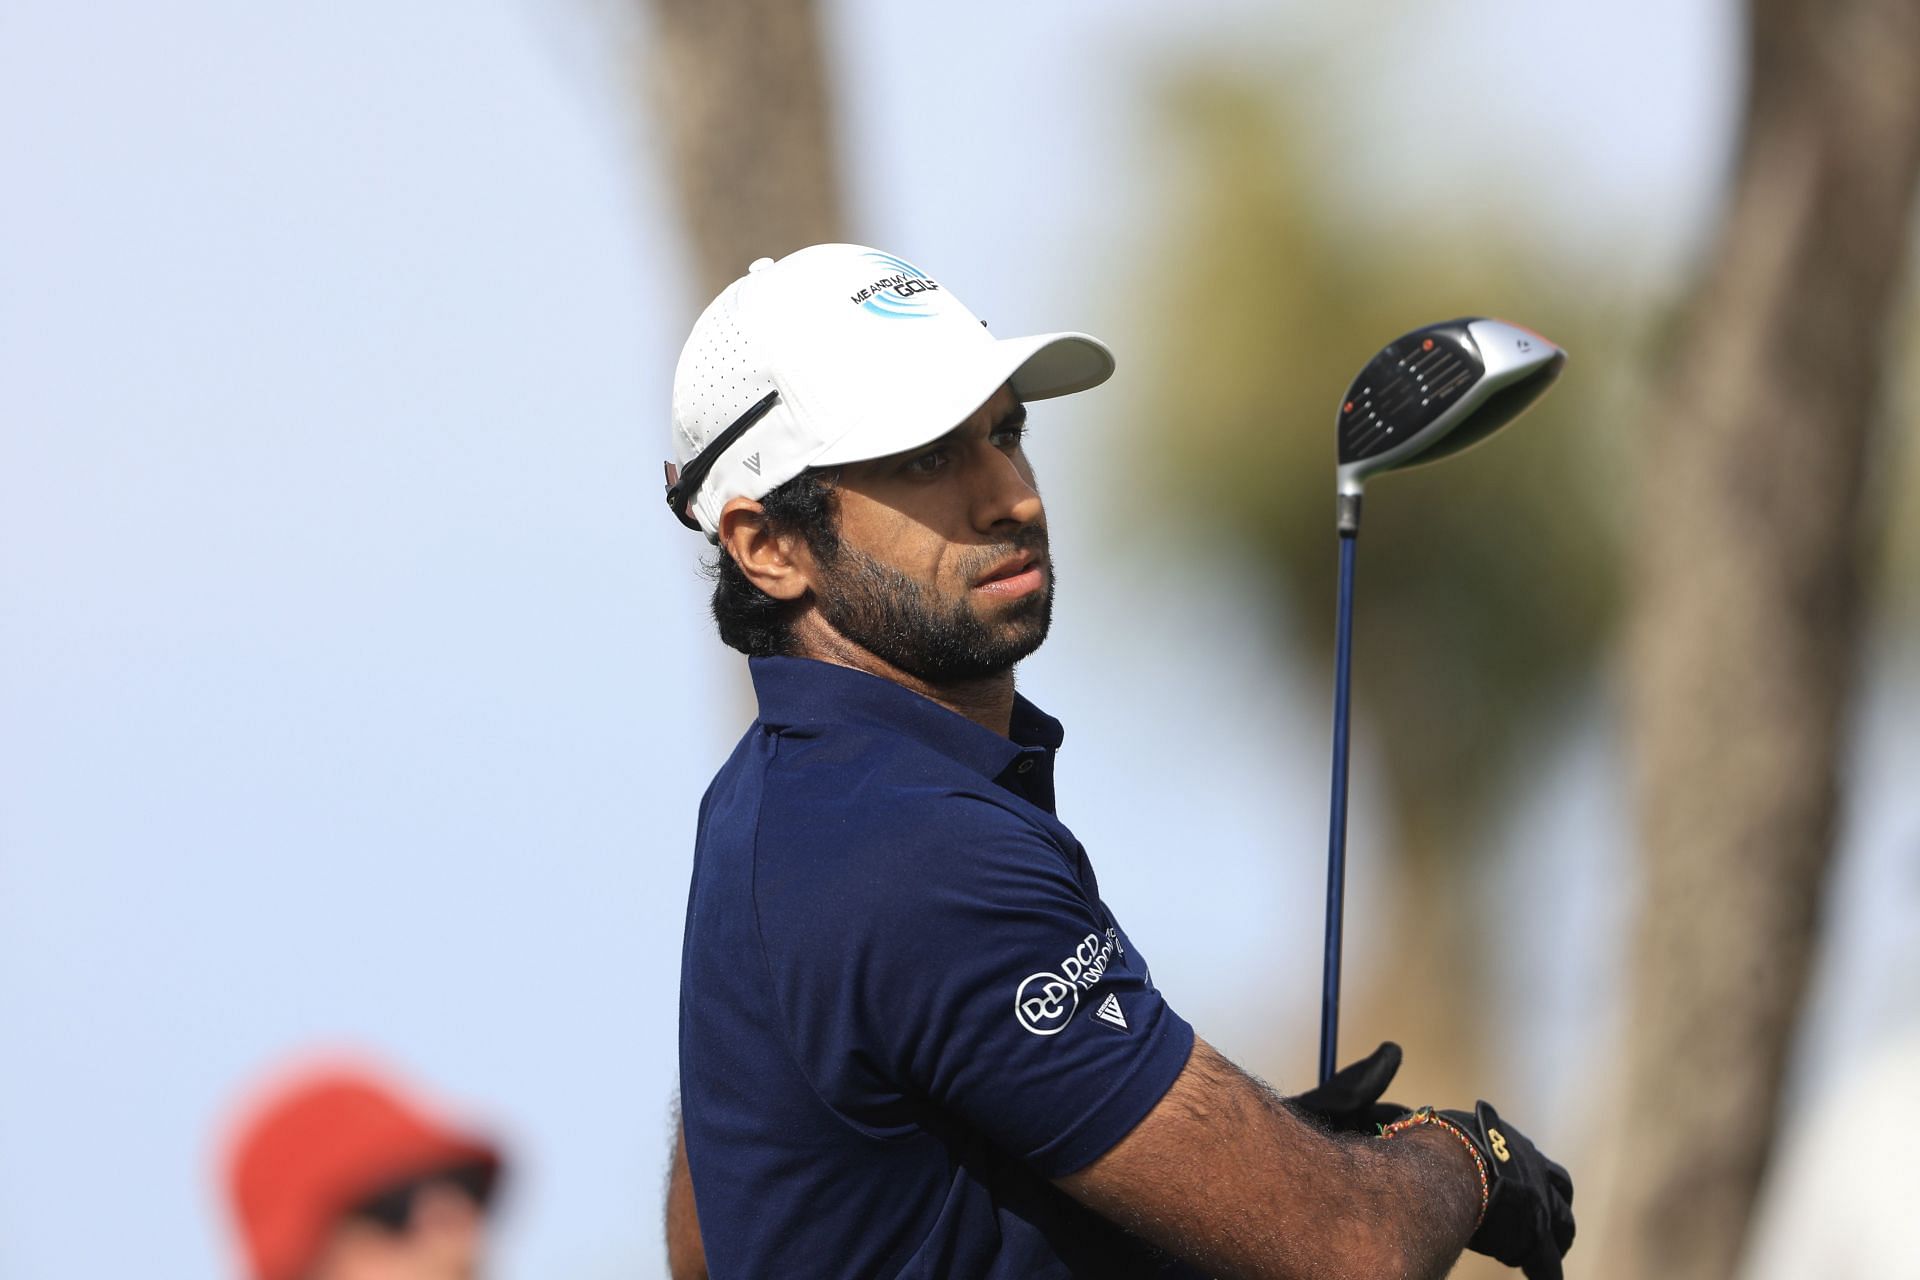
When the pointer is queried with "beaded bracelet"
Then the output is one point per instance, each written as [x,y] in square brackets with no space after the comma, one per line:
[1427,1115]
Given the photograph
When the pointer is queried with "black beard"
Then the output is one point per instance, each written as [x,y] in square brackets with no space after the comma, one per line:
[897,620]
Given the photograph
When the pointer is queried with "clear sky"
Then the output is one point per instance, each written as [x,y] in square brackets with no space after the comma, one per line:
[354,688]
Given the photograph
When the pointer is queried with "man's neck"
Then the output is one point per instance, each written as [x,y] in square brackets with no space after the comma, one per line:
[987,701]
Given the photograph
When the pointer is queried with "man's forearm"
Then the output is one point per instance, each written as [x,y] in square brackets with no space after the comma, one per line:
[686,1254]
[1422,1199]
[1225,1174]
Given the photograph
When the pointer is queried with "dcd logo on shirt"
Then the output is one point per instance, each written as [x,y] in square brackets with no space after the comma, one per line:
[1046,1002]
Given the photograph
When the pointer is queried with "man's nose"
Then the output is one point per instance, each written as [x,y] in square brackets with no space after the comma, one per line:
[1002,492]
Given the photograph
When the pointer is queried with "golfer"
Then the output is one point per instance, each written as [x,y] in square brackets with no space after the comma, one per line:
[913,1039]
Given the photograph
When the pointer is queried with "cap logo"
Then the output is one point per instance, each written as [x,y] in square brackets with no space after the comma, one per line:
[752,464]
[899,294]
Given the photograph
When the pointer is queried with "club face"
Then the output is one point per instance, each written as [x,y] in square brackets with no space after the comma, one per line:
[1438,390]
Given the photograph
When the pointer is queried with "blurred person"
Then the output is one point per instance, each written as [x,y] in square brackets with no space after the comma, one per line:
[334,1173]
[914,1041]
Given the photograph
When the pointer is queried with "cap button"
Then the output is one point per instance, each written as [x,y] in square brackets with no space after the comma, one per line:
[759,264]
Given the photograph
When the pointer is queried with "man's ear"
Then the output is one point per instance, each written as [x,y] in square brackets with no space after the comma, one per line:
[777,564]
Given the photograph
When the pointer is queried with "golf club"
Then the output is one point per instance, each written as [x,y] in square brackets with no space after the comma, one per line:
[1428,395]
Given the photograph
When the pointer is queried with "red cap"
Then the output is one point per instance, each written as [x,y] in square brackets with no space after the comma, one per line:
[319,1143]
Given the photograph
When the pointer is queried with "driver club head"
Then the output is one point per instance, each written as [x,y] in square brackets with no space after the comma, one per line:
[1438,390]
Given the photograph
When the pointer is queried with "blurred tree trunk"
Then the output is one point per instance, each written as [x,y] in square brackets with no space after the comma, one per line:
[1748,616]
[742,88]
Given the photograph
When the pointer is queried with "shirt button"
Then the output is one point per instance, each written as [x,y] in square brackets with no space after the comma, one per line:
[1025,765]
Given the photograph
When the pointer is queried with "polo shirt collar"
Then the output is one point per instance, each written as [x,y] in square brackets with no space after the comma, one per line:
[801,691]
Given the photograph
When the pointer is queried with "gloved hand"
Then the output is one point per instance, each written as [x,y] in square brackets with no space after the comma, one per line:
[1349,1102]
[1529,1220]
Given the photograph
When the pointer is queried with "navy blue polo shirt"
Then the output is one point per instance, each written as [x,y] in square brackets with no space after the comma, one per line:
[903,1006]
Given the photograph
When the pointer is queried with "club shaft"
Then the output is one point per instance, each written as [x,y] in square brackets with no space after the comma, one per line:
[1337,836]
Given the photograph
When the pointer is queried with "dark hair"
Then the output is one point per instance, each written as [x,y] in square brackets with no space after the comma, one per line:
[750,620]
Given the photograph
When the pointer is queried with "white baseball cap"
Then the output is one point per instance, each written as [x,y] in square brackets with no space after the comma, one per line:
[834,354]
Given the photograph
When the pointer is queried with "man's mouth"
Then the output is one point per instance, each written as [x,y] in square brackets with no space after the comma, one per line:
[1014,576]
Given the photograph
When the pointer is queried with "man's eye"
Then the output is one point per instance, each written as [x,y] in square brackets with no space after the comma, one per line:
[1010,436]
[928,463]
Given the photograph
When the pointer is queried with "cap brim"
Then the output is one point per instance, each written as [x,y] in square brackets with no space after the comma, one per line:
[1060,364]
[1039,367]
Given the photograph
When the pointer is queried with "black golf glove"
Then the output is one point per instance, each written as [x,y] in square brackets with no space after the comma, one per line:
[1349,1102]
[1529,1219]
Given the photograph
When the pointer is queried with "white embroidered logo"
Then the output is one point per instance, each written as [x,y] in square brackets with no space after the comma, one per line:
[1109,1011]
[1045,1002]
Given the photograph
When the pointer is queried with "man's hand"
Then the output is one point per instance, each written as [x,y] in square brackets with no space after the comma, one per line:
[1349,1102]
[1529,1221]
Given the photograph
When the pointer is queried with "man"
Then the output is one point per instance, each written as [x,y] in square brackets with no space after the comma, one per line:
[913,1040]
[333,1175]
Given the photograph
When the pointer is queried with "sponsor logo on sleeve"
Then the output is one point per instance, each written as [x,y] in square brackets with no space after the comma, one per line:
[1045,1002]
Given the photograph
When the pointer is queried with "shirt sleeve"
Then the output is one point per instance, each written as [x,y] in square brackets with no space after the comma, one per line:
[949,954]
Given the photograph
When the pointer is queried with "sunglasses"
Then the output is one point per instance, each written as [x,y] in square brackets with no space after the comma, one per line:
[392,1208]
[683,484]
